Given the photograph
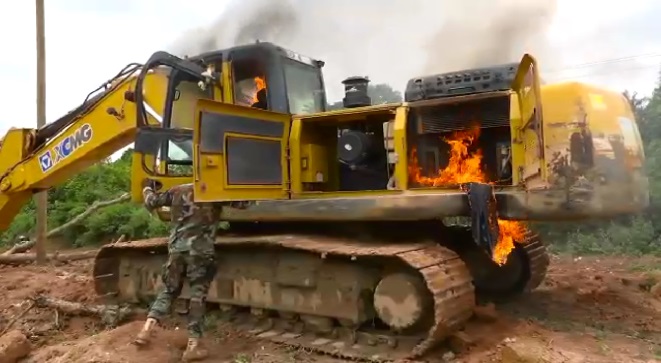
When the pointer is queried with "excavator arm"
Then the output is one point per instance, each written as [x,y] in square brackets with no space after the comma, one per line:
[34,160]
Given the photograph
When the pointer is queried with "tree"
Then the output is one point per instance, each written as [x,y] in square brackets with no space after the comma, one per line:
[102,182]
[382,93]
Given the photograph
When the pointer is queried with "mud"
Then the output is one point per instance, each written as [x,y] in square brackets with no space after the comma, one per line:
[587,310]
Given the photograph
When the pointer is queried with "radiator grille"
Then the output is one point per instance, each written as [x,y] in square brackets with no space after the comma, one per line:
[490,112]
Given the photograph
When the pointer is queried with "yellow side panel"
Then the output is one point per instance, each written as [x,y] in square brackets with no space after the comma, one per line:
[401,148]
[528,129]
[241,153]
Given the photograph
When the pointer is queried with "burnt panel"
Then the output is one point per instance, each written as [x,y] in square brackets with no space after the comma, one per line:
[214,126]
[252,161]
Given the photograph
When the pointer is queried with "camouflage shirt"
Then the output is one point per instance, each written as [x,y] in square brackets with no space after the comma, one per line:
[192,226]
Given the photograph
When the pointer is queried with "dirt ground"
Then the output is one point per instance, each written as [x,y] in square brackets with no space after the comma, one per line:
[588,310]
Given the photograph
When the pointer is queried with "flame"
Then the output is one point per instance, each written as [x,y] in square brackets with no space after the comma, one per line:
[465,166]
[510,232]
[260,84]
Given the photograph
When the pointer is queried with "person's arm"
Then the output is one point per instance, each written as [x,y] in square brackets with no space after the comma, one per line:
[155,200]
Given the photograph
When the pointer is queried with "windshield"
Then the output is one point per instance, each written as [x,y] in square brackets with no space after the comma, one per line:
[304,88]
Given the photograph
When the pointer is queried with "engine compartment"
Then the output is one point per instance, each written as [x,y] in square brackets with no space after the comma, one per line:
[477,128]
[345,154]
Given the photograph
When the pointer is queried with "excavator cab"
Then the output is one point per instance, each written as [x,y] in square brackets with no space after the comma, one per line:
[260,75]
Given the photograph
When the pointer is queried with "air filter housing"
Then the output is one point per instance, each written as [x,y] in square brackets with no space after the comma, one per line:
[355,92]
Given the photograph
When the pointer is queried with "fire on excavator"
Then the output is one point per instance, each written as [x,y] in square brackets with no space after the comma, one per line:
[465,166]
[338,218]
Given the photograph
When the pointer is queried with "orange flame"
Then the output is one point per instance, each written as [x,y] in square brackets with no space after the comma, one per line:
[510,232]
[260,84]
[465,166]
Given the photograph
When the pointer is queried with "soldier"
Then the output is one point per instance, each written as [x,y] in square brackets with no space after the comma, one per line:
[190,255]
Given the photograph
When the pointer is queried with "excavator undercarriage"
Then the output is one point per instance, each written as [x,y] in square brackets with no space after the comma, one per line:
[383,294]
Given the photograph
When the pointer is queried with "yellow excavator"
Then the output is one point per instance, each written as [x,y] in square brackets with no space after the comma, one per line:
[342,234]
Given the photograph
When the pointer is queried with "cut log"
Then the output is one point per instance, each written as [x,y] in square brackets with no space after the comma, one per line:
[111,315]
[22,258]
[20,248]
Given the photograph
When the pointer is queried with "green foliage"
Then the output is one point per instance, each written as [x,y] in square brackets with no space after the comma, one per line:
[637,236]
[103,181]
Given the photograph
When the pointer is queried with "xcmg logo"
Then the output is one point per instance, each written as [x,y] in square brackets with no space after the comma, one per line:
[66,147]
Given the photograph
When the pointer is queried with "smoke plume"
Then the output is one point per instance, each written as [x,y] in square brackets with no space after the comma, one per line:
[490,32]
[392,41]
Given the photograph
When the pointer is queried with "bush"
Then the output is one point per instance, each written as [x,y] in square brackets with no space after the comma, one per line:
[104,181]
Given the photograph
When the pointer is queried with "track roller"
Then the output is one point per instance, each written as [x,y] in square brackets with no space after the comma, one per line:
[402,301]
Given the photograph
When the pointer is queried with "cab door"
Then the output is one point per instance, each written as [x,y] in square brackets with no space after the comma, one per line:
[164,155]
[241,153]
[528,130]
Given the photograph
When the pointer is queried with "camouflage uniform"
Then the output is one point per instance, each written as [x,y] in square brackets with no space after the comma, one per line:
[190,252]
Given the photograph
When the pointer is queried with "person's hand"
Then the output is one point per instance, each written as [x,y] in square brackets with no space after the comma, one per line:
[147,183]
[154,184]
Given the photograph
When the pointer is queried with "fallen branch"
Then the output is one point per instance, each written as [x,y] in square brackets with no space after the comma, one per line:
[111,315]
[19,248]
[15,254]
[93,208]
[22,258]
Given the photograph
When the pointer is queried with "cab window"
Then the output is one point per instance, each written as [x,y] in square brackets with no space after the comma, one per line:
[180,158]
[175,158]
[250,88]
[176,152]
[305,89]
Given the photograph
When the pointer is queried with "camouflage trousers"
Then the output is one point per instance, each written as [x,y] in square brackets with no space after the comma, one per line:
[200,271]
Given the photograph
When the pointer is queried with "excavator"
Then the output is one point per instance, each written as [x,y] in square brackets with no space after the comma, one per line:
[369,232]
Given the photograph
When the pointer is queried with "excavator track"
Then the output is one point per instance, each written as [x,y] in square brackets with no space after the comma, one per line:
[538,260]
[441,310]
[524,271]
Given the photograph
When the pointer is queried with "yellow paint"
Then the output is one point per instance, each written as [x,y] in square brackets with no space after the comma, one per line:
[308,141]
[210,168]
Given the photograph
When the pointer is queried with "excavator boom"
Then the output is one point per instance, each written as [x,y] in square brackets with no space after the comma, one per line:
[34,160]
